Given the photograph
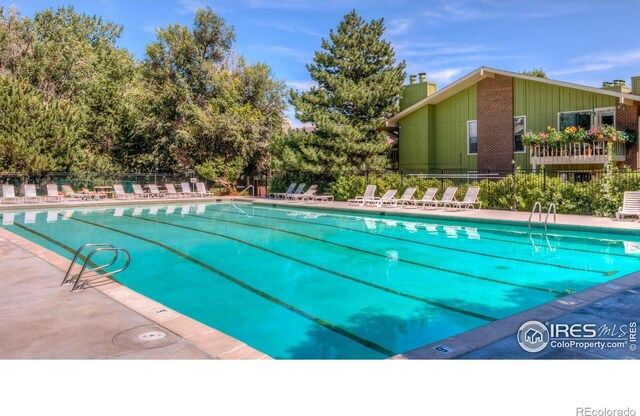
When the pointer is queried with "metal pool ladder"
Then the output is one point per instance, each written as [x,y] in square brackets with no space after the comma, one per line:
[546,218]
[87,274]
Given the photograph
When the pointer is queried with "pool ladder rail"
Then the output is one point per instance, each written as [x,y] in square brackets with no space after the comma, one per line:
[235,197]
[87,273]
[546,218]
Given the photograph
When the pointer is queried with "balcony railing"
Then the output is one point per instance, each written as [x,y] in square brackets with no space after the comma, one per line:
[576,153]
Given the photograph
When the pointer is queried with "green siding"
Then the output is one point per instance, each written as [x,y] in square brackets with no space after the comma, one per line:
[541,103]
[450,131]
[413,150]
[416,92]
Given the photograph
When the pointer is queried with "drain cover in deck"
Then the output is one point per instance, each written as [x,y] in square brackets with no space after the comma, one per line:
[144,338]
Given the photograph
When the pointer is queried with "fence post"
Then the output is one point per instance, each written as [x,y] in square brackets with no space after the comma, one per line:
[401,178]
[515,186]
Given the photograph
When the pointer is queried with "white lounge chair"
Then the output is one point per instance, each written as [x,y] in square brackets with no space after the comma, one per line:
[138,192]
[186,189]
[407,196]
[470,199]
[426,199]
[52,194]
[319,198]
[630,205]
[387,199]
[447,199]
[30,194]
[119,192]
[297,191]
[9,194]
[305,195]
[171,191]
[154,191]
[201,190]
[281,195]
[369,195]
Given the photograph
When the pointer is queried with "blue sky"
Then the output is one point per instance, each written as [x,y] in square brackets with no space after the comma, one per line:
[585,42]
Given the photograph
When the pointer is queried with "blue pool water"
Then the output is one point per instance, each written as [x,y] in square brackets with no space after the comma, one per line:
[296,283]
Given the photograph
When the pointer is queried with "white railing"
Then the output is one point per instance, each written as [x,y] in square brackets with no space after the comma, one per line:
[576,153]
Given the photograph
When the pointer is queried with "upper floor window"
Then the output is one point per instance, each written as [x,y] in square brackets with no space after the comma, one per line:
[519,127]
[472,137]
[575,119]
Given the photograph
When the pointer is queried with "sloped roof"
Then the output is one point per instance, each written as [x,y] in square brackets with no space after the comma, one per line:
[486,72]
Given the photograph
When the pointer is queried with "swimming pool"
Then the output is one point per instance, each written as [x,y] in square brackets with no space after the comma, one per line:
[301,283]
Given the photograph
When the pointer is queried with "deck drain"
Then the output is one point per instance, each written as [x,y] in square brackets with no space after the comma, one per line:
[152,336]
[145,337]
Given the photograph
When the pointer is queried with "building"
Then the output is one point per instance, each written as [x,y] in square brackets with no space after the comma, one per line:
[476,123]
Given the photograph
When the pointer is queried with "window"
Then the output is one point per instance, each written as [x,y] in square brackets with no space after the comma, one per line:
[575,118]
[607,117]
[472,137]
[519,127]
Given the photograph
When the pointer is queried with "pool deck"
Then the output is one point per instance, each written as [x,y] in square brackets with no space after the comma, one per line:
[41,319]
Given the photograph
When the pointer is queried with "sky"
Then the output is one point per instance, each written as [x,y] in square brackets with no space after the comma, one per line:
[585,42]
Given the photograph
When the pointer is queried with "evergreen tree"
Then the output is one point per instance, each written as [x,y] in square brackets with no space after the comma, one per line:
[358,87]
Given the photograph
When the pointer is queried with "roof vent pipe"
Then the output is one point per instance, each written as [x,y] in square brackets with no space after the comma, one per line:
[423,76]
[412,79]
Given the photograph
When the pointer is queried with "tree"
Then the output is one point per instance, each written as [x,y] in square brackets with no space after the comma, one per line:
[38,134]
[358,87]
[535,72]
[199,101]
[73,57]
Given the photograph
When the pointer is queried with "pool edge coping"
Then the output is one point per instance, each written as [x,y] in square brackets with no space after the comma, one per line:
[208,339]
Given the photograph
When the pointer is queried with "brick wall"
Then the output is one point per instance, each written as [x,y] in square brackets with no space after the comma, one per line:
[627,119]
[495,123]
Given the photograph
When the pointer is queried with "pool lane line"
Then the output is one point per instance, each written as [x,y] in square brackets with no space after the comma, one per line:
[56,242]
[362,341]
[422,243]
[487,230]
[428,266]
[341,275]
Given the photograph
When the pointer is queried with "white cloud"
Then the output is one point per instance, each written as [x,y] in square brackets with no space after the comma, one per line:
[290,28]
[399,26]
[301,85]
[445,76]
[599,62]
[190,6]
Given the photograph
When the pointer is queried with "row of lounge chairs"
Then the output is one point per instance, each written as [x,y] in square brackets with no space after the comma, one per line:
[298,194]
[54,195]
[428,200]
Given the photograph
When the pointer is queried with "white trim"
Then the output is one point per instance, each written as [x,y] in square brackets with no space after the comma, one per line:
[484,72]
[469,137]
[524,150]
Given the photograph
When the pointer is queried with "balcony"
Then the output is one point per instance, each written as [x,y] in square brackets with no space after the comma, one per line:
[576,153]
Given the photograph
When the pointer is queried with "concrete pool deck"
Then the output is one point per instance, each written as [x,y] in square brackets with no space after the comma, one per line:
[41,319]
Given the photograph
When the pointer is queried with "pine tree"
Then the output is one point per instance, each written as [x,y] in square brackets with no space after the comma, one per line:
[358,87]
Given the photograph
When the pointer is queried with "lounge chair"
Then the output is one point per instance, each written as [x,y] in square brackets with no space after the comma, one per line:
[171,191]
[297,191]
[306,195]
[9,194]
[630,205]
[447,199]
[138,192]
[52,194]
[119,192]
[407,196]
[186,189]
[470,199]
[426,200]
[369,194]
[68,192]
[318,198]
[387,199]
[154,191]
[201,190]
[30,194]
[281,195]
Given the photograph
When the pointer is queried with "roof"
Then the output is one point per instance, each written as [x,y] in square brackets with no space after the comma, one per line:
[485,72]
